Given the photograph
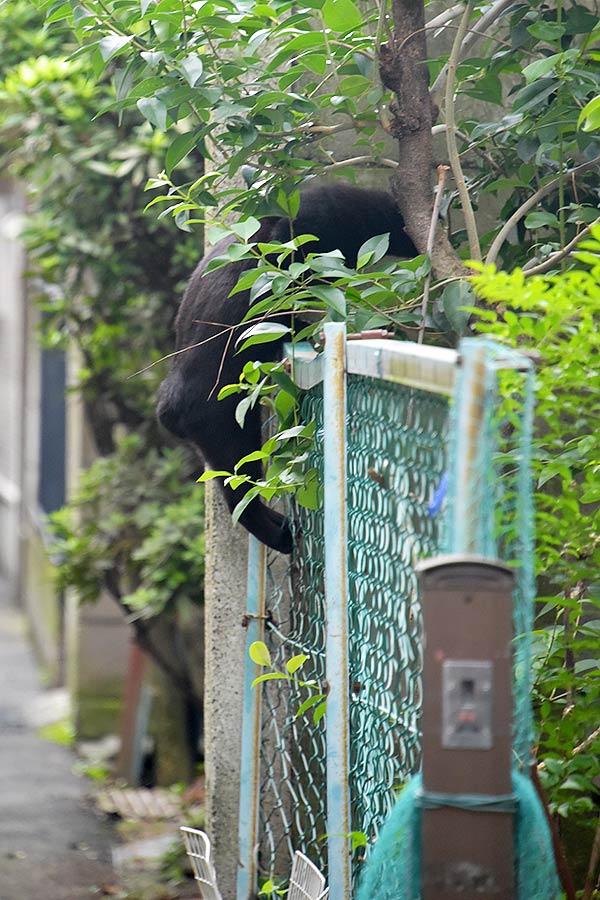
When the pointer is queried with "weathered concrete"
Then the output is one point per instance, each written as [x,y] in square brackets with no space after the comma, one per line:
[52,843]
[225,599]
[12,315]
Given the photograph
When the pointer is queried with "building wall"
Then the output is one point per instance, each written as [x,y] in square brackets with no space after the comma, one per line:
[44,445]
[12,317]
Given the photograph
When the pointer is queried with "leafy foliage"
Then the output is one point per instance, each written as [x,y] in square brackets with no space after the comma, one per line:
[556,317]
[272,87]
[208,89]
[133,516]
[104,275]
[315,701]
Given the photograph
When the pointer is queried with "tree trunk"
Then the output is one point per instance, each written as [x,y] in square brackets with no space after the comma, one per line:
[403,67]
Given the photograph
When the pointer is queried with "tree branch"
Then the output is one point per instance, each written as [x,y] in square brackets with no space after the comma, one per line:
[487,19]
[529,204]
[590,878]
[442,172]
[446,16]
[564,872]
[554,258]
[405,73]
[473,236]
[143,635]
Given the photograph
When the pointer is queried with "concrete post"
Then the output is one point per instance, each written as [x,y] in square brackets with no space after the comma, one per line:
[12,328]
[225,605]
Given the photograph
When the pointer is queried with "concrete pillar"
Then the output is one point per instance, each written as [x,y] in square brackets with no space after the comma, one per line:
[225,605]
[12,329]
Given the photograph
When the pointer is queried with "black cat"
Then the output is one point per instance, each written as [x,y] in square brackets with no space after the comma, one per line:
[343,217]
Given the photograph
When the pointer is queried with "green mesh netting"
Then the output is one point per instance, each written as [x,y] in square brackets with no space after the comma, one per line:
[497,509]
[500,498]
[393,872]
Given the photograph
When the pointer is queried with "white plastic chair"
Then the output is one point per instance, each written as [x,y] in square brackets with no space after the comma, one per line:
[306,881]
[197,845]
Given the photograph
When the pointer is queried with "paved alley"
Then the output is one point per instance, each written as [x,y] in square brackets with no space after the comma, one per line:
[53,846]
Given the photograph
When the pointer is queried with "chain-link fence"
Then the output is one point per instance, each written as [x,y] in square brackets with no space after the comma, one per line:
[398,427]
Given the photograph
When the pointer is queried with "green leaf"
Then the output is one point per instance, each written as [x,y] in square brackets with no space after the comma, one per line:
[113,44]
[589,119]
[534,95]
[245,229]
[210,474]
[541,67]
[341,15]
[358,839]
[591,495]
[541,219]
[63,11]
[256,455]
[308,494]
[262,333]
[455,298]
[240,415]
[241,506]
[192,69]
[259,654]
[179,149]
[354,85]
[319,712]
[373,250]
[293,664]
[308,704]
[331,296]
[154,110]
[268,676]
[546,31]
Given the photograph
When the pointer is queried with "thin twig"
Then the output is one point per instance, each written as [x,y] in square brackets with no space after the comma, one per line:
[554,258]
[221,364]
[488,18]
[473,146]
[474,33]
[224,329]
[362,161]
[442,172]
[586,743]
[469,216]
[529,204]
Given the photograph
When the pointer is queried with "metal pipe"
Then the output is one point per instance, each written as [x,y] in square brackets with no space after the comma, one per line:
[251,725]
[336,594]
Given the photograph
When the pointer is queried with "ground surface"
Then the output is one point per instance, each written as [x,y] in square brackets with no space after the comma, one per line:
[54,844]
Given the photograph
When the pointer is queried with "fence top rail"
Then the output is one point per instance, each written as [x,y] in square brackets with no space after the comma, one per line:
[426,368]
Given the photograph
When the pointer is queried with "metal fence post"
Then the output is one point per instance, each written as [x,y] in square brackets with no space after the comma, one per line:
[467,527]
[336,594]
[251,725]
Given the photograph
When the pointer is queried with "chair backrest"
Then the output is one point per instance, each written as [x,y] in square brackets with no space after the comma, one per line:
[306,881]
[197,845]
